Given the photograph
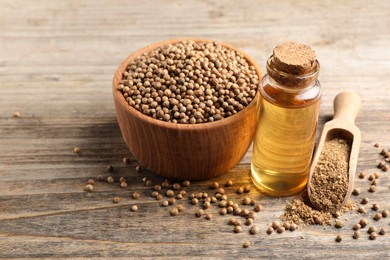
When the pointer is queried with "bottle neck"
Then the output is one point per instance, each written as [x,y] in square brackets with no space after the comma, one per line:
[289,81]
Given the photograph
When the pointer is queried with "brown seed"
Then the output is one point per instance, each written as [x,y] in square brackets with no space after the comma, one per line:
[122,179]
[76,150]
[381,164]
[180,208]
[246,244]
[91,181]
[237,211]
[214,199]
[356,234]
[139,168]
[110,179]
[159,197]
[258,208]
[385,213]
[110,168]
[377,175]
[224,197]
[286,225]
[318,220]
[371,229]
[199,213]
[165,184]
[363,222]
[254,230]
[237,229]
[179,196]
[251,214]
[339,238]
[293,227]
[223,211]
[123,184]
[229,183]
[199,195]
[170,193]
[372,188]
[365,200]
[205,195]
[126,160]
[280,230]
[337,214]
[361,209]
[247,188]
[339,224]
[249,221]
[174,211]
[88,187]
[154,194]
[244,213]
[176,186]
[186,183]
[385,168]
[377,216]
[17,115]
[373,236]
[148,183]
[240,190]
[356,191]
[270,230]
[194,201]
[171,201]
[229,209]
[136,195]
[157,187]
[362,175]
[165,203]
[100,178]
[214,185]
[183,192]
[134,208]
[208,216]
[356,226]
[220,191]
[232,221]
[371,177]
[375,206]
[246,201]
[116,199]
[374,182]
[275,224]
[376,145]
[382,231]
[206,205]
[238,223]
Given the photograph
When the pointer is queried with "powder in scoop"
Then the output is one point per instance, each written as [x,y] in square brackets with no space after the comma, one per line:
[329,182]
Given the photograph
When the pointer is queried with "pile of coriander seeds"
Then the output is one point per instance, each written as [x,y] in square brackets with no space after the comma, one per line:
[189,82]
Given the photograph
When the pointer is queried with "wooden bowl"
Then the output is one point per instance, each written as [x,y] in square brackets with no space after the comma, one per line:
[184,151]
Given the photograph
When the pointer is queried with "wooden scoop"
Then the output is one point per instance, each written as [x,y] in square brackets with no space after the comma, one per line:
[346,106]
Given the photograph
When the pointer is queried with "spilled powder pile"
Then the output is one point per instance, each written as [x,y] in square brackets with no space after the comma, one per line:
[329,183]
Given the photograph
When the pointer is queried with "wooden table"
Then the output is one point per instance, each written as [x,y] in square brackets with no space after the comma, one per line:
[57,60]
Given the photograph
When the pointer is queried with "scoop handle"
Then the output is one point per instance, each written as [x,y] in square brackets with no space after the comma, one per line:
[346,106]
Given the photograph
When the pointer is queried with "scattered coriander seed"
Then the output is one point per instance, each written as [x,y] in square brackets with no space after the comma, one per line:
[199,213]
[176,186]
[165,184]
[373,236]
[361,209]
[286,225]
[376,145]
[199,195]
[377,216]
[194,201]
[205,195]
[254,230]
[170,193]
[293,227]
[318,220]
[136,195]
[186,183]
[275,224]
[208,199]
[126,160]
[235,206]
[251,214]
[17,115]
[116,199]
[154,194]
[246,244]
[247,188]
[148,183]
[224,197]
[88,187]
[280,230]
[76,150]
[381,164]
[386,167]
[214,185]
[249,221]
[191,196]
[110,168]
[223,211]
[91,181]
[183,192]
[270,230]
[371,177]
[237,229]
[157,187]
[385,213]
[336,214]
[122,179]
[374,182]
[258,208]
[363,222]
[339,238]
[174,211]
[356,234]
[232,221]
[180,208]
[134,208]
[238,223]
[244,213]
[356,226]
[123,184]
[179,196]
[375,206]
[377,175]
[159,197]
[230,209]
[221,191]
[230,203]
[237,211]
[229,183]
[382,231]
[365,200]
[165,203]
[110,179]
[372,188]
[206,205]
[246,201]
[207,216]
[138,168]
[371,229]
[223,204]
[240,190]
[171,201]
[144,179]
[362,175]
[356,191]
[214,199]
[100,178]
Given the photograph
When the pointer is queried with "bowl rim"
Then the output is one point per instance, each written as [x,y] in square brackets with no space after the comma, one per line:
[190,127]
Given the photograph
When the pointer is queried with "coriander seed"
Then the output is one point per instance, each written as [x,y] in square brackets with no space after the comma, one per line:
[293,227]
[377,175]
[356,234]
[249,221]
[134,208]
[206,205]
[17,115]
[362,175]
[371,229]
[165,203]
[373,236]
[194,201]
[275,224]
[375,206]
[237,211]
[229,183]
[138,168]
[123,184]
[382,231]
[223,211]
[122,179]
[385,213]
[214,185]
[280,230]
[91,181]
[154,194]
[186,183]
[207,216]
[110,168]
[247,188]
[76,150]
[170,193]
[223,204]
[246,201]
[171,201]
[254,230]
[174,211]
[365,200]
[246,244]
[356,226]
[221,191]
[199,213]
[116,199]
[339,238]
[258,208]
[238,223]
[180,208]
[176,186]
[356,191]
[157,187]
[237,229]
[361,209]
[270,230]
[100,178]
[232,221]
[110,179]
[244,213]
[88,188]
[179,196]
[363,222]
[230,209]
[126,160]
[159,197]
[377,216]
[240,190]
[136,195]
[372,188]
[286,225]
[371,177]
[148,183]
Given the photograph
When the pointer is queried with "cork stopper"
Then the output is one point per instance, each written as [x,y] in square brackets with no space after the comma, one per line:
[293,65]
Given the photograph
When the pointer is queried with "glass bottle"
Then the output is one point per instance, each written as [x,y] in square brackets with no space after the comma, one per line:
[288,108]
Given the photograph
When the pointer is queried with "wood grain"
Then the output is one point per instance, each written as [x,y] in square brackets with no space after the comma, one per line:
[57,60]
